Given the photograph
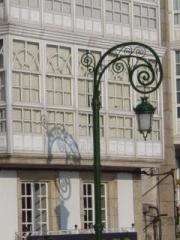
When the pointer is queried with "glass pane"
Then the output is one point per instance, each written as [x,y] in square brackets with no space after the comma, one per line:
[137,21]
[145,22]
[117,17]
[43,189]
[109,5]
[89,189]
[79,11]
[125,19]
[57,6]
[178,97]
[145,11]
[49,5]
[67,8]
[125,8]
[137,10]
[152,12]
[178,112]
[152,23]
[109,16]
[177,69]
[117,6]
[178,84]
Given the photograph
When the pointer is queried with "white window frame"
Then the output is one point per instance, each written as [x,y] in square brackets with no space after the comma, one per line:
[176,12]
[29,72]
[66,125]
[62,76]
[32,122]
[2,71]
[28,5]
[88,224]
[91,7]
[25,209]
[3,120]
[55,9]
[88,125]
[123,129]
[148,18]
[114,11]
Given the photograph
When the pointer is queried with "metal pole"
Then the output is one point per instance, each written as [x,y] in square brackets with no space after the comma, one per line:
[97,164]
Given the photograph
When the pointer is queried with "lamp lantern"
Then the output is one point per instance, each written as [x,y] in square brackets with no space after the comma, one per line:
[144,112]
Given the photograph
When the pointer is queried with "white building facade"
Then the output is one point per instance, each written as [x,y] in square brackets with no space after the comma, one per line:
[46,183]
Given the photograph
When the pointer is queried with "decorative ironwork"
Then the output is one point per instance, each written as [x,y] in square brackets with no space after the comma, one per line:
[140,62]
[88,60]
[106,236]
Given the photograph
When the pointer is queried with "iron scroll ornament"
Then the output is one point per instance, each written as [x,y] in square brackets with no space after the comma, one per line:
[139,60]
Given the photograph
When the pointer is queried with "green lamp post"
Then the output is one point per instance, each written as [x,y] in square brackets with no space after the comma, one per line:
[144,70]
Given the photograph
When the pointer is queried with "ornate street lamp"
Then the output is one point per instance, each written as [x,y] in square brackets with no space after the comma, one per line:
[144,70]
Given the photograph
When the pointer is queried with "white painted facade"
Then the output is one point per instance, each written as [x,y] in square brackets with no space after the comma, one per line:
[125,200]
[8,205]
[69,200]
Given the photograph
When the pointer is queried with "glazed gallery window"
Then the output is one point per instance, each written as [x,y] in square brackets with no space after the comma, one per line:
[2,75]
[26,72]
[117,11]
[178,82]
[58,76]
[2,120]
[176,12]
[25,3]
[145,16]
[27,120]
[119,94]
[120,127]
[85,81]
[59,6]
[61,119]
[86,125]
[88,205]
[34,207]
[88,8]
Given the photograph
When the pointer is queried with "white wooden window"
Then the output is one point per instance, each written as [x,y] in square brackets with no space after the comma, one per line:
[88,8]
[178,82]
[25,3]
[34,207]
[2,75]
[58,76]
[117,11]
[119,92]
[120,127]
[26,72]
[85,82]
[88,205]
[60,118]
[86,125]
[2,120]
[176,12]
[145,16]
[59,6]
[27,120]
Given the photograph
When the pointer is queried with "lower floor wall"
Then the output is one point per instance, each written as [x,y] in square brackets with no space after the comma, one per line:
[51,201]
